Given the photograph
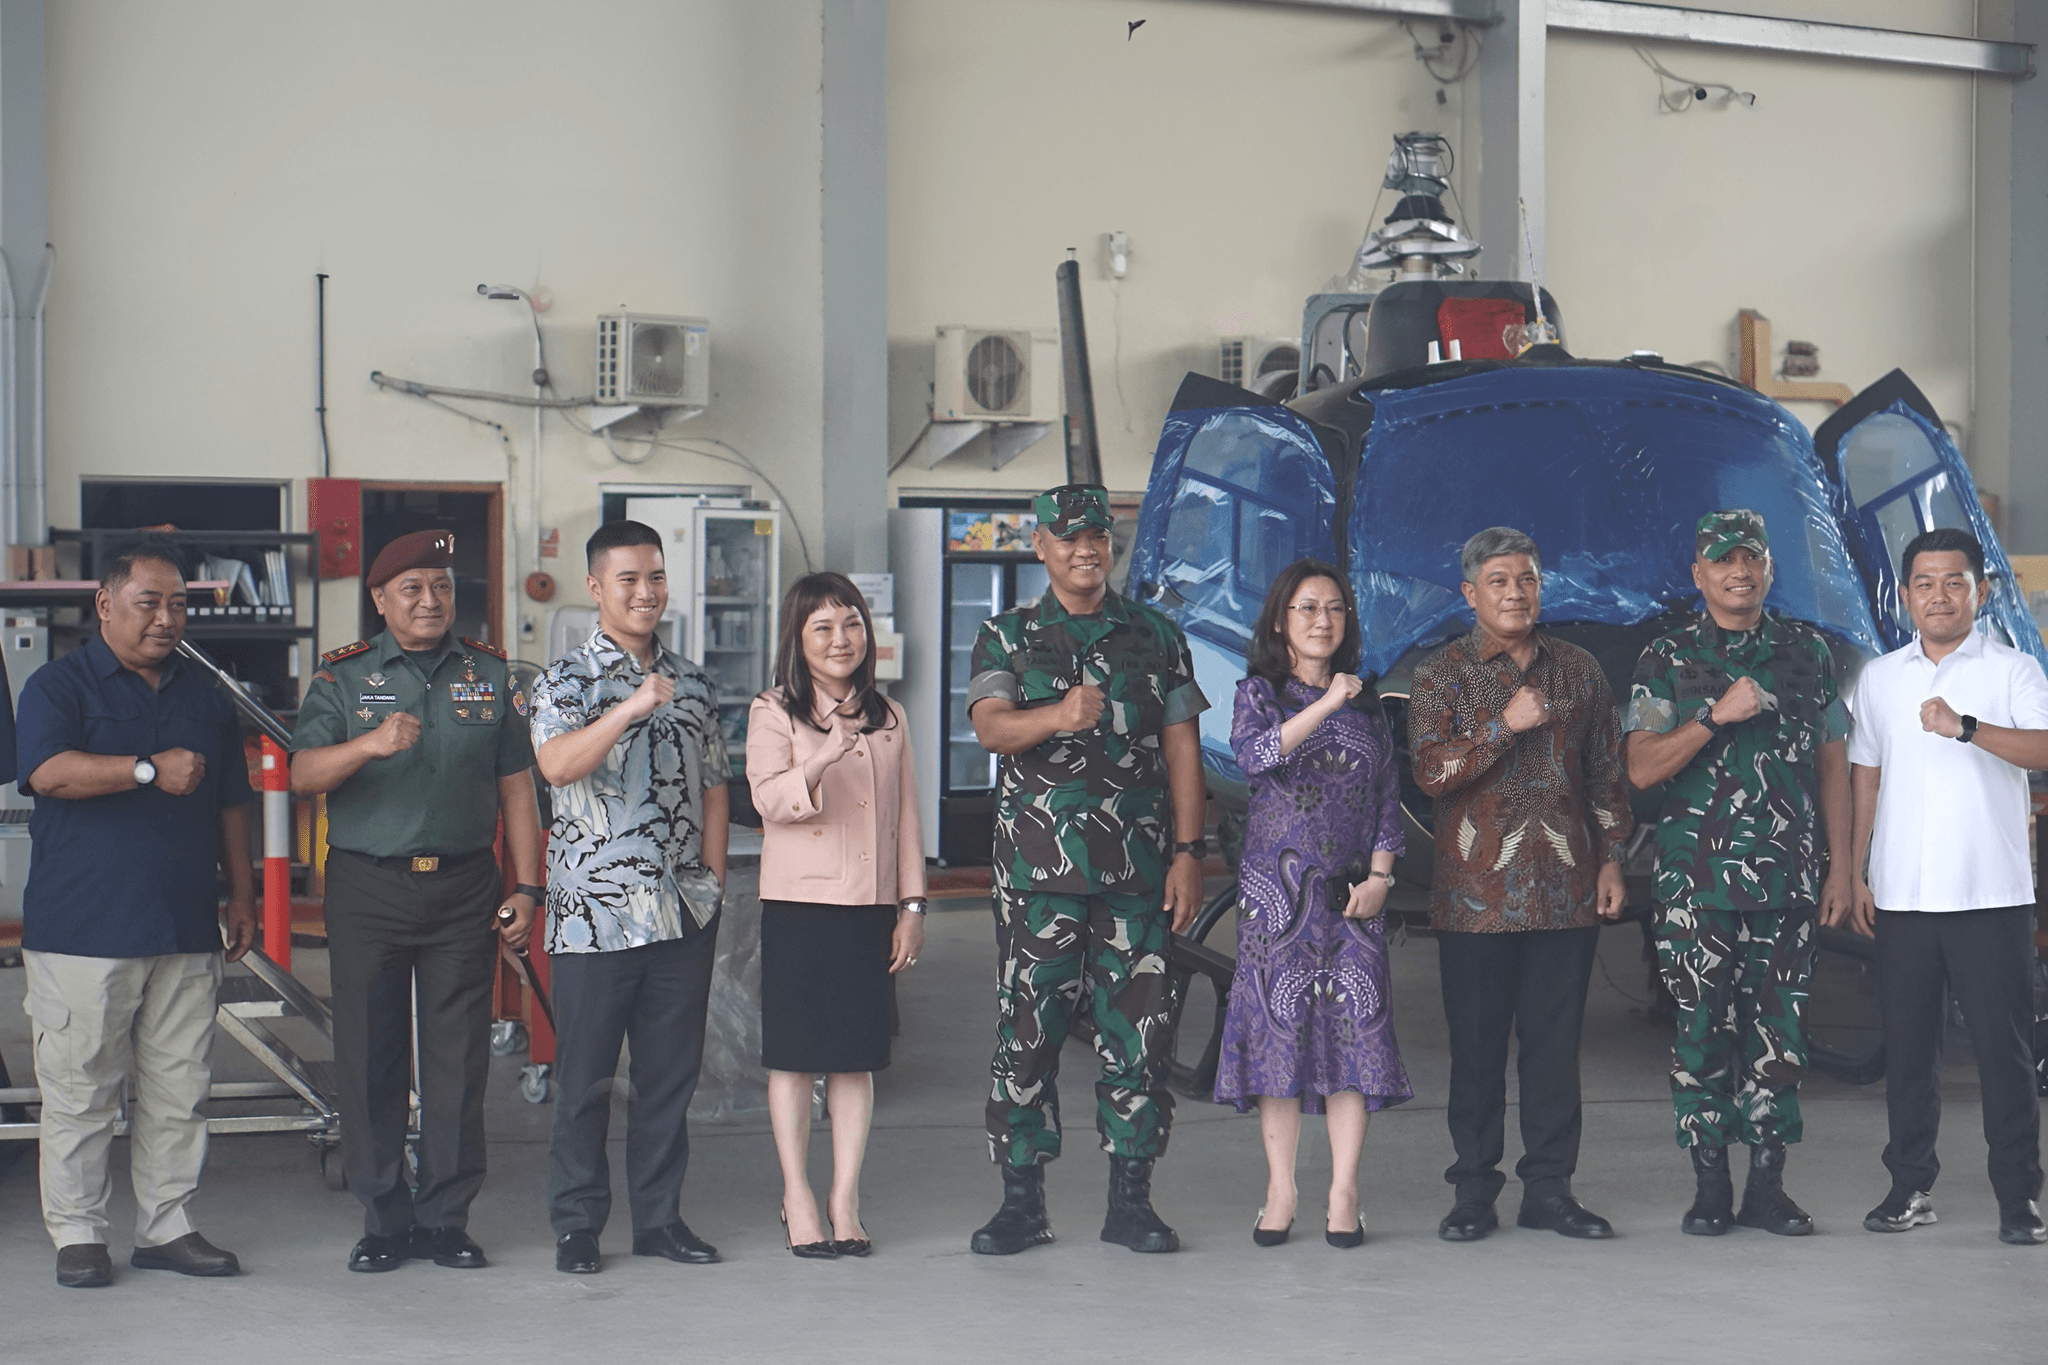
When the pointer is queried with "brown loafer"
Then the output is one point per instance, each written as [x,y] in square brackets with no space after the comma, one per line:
[84,1265]
[189,1255]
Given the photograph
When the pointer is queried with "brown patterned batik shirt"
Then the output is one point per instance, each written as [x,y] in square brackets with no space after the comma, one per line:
[1523,822]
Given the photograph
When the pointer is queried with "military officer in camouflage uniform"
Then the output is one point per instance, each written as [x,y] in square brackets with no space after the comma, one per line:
[1091,700]
[420,740]
[1738,715]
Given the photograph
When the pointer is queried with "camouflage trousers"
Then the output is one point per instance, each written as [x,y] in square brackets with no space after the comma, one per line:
[1055,950]
[1740,981]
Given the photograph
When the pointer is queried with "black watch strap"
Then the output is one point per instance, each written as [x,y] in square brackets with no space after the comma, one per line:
[1969,730]
[1198,847]
[539,893]
[1704,718]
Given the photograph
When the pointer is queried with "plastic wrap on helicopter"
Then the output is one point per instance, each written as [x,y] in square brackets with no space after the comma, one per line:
[1236,495]
[1607,469]
[1904,475]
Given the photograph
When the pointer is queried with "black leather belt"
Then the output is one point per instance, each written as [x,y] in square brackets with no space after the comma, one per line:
[440,862]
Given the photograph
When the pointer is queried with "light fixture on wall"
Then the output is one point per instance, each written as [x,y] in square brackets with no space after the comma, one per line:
[533,312]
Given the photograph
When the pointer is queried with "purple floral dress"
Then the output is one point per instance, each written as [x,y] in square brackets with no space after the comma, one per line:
[1309,1010]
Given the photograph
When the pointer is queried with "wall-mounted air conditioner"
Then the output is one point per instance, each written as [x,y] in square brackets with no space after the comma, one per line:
[650,361]
[1264,365]
[984,374]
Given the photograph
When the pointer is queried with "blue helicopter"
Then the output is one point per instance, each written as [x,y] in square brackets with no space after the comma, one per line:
[1434,408]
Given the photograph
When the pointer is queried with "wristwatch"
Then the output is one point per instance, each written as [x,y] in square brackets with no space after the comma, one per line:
[1198,847]
[1969,729]
[145,772]
[1704,718]
[1388,877]
[535,893]
[914,904]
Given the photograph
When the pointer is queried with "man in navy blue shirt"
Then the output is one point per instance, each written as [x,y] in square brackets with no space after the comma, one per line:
[141,790]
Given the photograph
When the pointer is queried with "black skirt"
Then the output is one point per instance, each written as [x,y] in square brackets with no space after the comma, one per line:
[825,986]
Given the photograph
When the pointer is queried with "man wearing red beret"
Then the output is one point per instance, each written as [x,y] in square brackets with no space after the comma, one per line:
[420,741]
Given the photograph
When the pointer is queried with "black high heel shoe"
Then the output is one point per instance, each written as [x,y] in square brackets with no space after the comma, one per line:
[809,1251]
[853,1246]
[1269,1237]
[1344,1241]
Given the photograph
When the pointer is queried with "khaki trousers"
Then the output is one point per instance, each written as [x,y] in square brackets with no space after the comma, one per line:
[99,1021]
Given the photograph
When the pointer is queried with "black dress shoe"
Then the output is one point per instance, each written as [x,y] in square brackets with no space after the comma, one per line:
[377,1253]
[1468,1221]
[189,1255]
[1345,1241]
[677,1243]
[576,1254]
[84,1265]
[1263,1236]
[1563,1214]
[2020,1225]
[853,1246]
[451,1247]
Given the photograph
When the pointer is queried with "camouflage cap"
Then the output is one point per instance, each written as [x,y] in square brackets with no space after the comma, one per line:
[1072,506]
[1720,532]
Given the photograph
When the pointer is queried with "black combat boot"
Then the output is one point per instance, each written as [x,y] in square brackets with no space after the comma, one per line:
[1131,1222]
[1021,1222]
[1764,1201]
[1713,1207]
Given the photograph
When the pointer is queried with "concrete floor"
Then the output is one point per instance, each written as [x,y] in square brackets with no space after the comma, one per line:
[1950,1292]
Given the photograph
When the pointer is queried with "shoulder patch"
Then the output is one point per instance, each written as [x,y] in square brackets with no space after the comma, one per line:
[479,645]
[335,656]
[323,676]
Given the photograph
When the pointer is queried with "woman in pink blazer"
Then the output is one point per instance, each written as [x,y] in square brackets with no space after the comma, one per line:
[842,892]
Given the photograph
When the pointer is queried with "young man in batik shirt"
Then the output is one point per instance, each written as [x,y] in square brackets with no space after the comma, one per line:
[626,733]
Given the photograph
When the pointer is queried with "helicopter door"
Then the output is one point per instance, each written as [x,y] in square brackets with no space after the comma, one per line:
[1238,492]
[1904,475]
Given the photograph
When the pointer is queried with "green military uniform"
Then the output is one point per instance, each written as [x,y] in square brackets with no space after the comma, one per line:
[411,890]
[1081,846]
[1738,864]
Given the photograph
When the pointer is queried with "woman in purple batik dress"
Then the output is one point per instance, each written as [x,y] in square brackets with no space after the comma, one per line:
[1308,1026]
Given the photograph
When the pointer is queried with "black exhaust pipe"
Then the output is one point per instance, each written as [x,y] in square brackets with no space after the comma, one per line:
[1084,450]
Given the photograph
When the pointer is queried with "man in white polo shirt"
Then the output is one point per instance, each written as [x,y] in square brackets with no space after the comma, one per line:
[1945,731]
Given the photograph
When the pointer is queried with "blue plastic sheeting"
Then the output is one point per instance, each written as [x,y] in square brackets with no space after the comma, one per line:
[1906,476]
[1236,495]
[1607,469]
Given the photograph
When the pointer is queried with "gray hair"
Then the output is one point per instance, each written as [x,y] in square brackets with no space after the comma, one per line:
[1492,543]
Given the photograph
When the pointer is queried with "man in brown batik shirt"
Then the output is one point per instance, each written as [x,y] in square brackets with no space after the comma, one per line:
[1515,734]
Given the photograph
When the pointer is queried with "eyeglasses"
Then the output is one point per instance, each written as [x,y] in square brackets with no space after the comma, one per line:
[1312,610]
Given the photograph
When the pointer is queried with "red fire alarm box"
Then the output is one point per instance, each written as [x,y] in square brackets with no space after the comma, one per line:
[335,511]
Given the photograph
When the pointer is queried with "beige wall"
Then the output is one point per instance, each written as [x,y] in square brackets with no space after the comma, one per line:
[1241,146]
[206,159]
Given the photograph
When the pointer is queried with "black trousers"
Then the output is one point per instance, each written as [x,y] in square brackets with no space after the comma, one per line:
[656,997]
[389,932]
[1985,958]
[1531,984]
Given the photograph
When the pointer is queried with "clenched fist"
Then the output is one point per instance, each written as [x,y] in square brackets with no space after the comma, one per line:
[399,732]
[650,696]
[1343,687]
[179,771]
[1081,708]
[1526,710]
[1739,702]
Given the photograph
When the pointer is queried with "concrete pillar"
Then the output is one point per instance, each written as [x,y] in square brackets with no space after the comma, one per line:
[1511,92]
[24,232]
[856,258]
[2024,362]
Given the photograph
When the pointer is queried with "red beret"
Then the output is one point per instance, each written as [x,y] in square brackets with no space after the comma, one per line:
[420,550]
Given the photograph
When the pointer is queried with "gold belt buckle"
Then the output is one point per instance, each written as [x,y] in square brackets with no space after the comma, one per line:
[426,864]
